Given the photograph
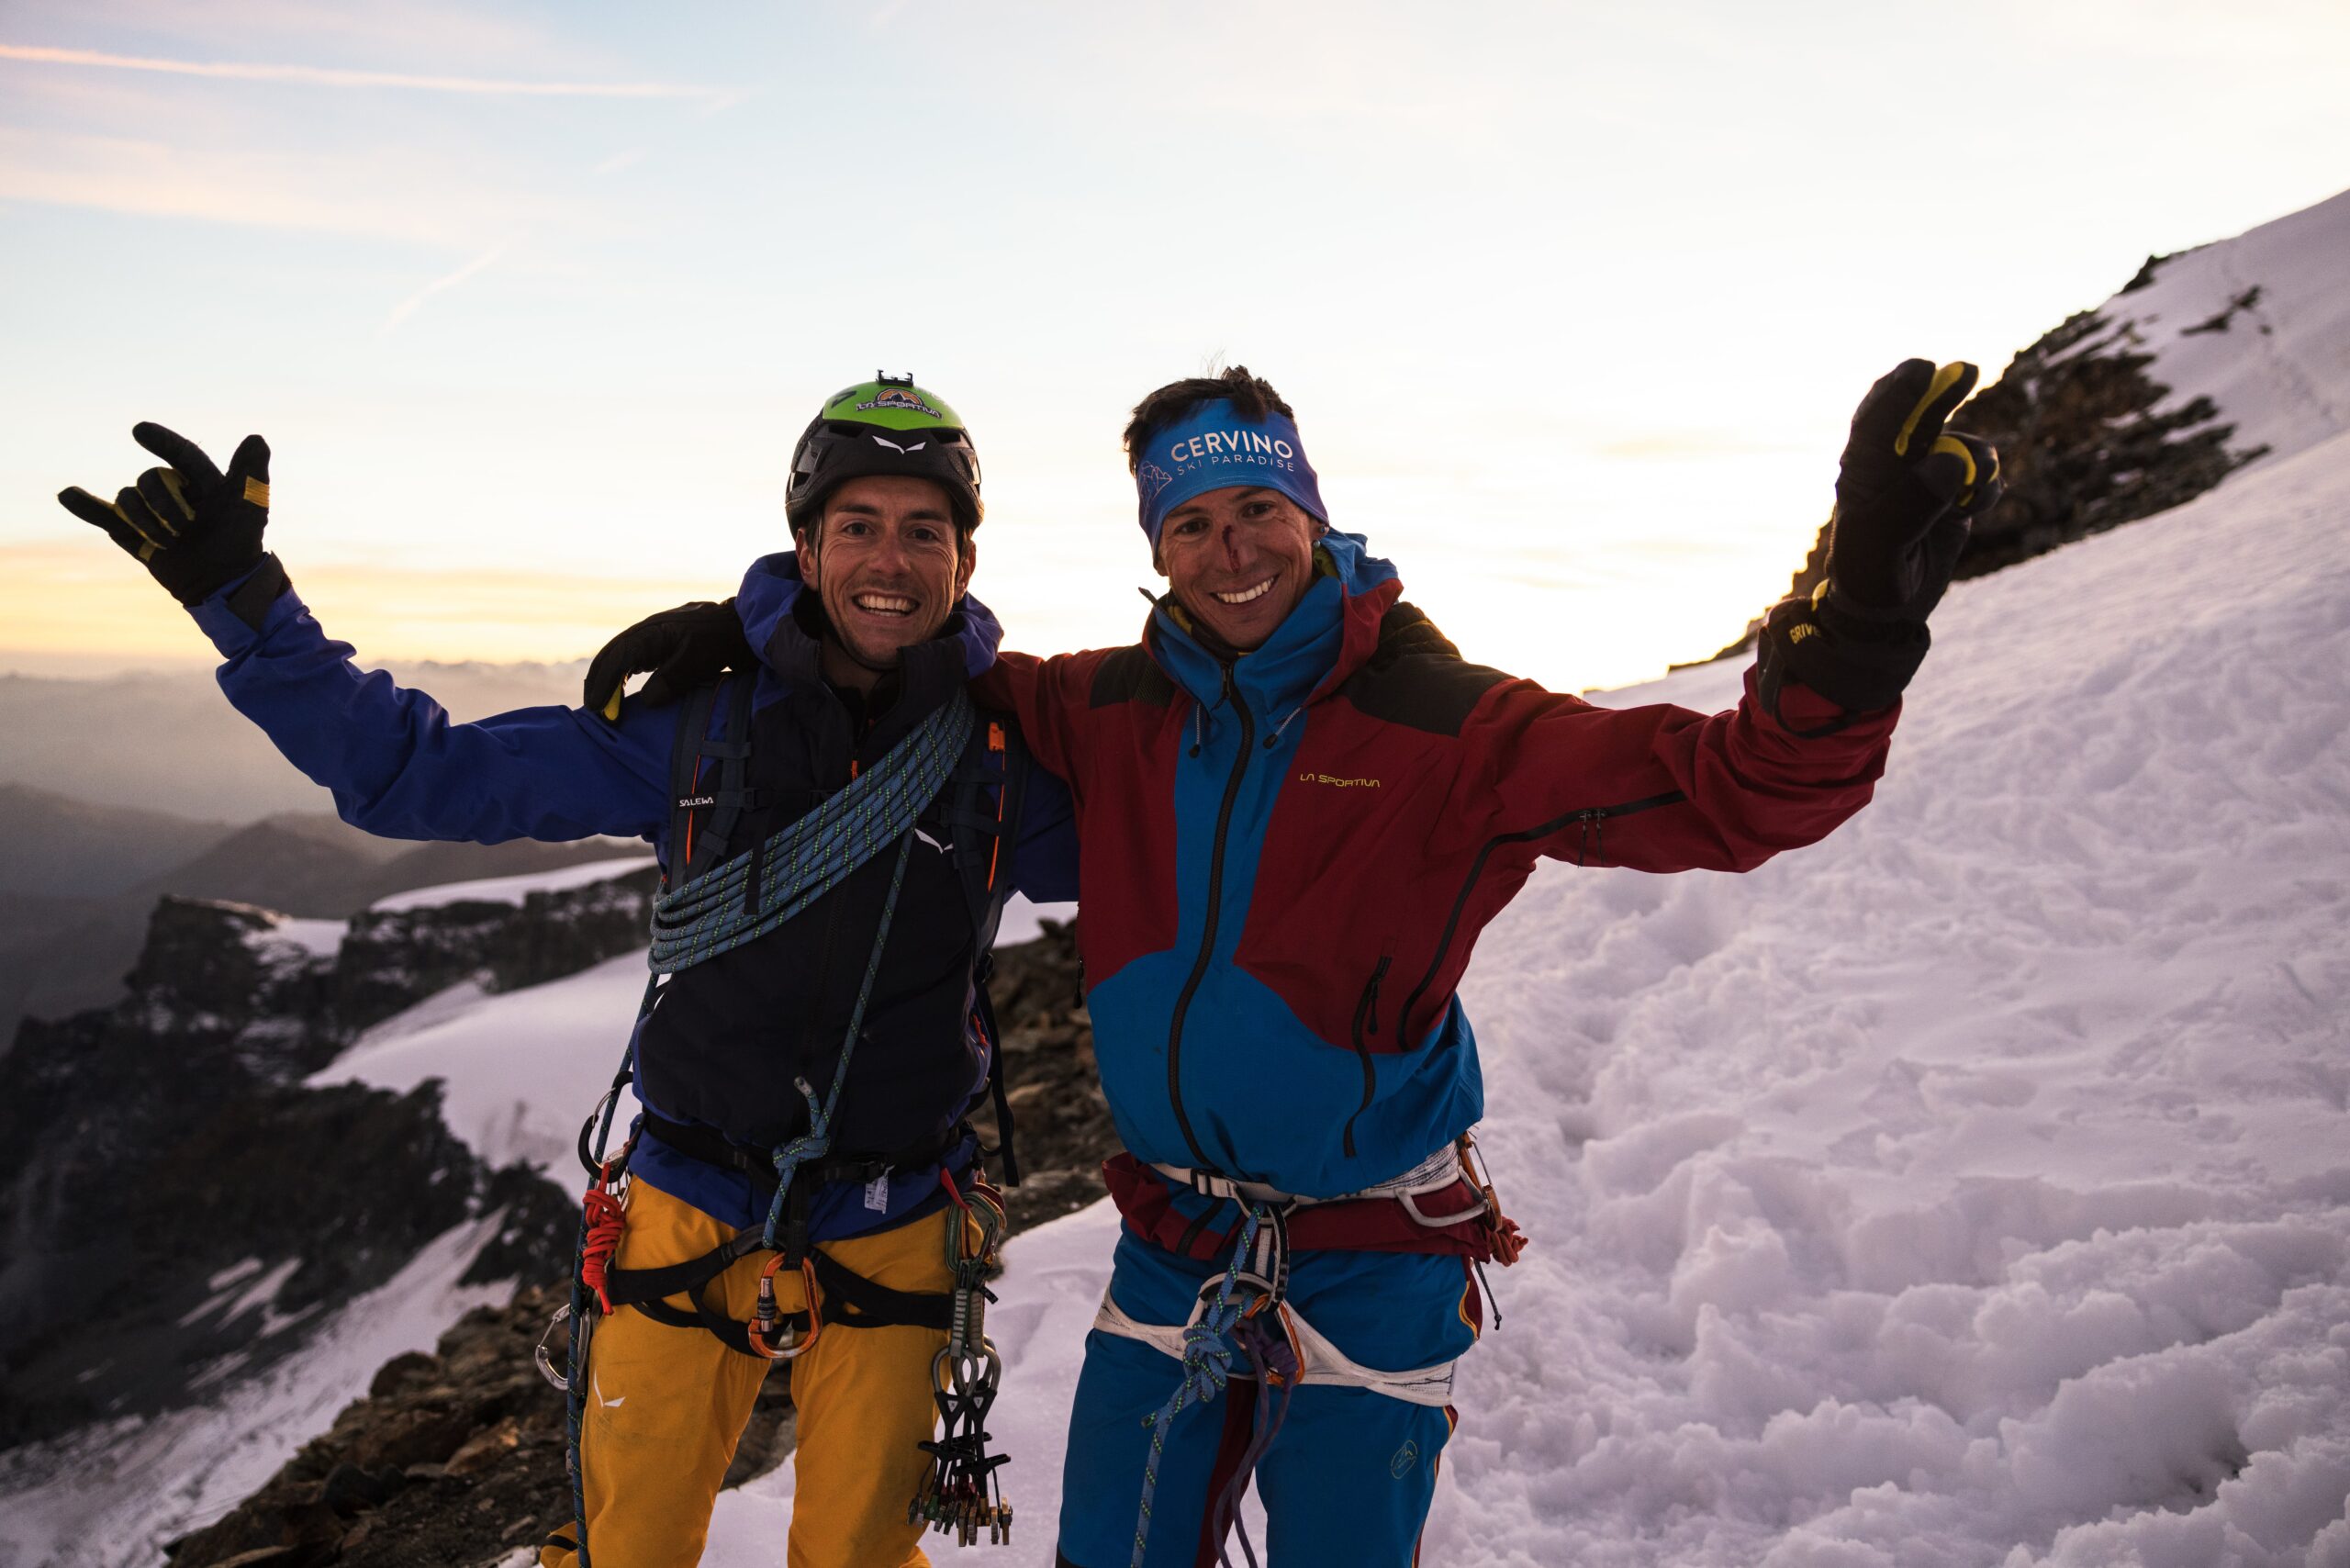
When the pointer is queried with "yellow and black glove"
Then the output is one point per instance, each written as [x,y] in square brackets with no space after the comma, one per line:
[194,528]
[1907,495]
[685,648]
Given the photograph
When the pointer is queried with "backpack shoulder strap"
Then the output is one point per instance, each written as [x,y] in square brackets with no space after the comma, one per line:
[986,832]
[985,835]
[696,844]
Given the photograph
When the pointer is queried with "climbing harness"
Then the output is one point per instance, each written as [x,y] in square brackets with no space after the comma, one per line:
[961,1494]
[1237,1314]
[715,905]
[1243,1315]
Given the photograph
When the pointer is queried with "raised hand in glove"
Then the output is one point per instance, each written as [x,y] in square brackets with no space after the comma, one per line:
[1907,492]
[194,528]
[1907,496]
[685,648]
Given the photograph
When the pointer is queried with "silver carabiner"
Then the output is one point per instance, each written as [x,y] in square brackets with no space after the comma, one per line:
[546,1361]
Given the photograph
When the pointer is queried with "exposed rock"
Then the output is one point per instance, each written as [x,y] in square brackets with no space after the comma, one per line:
[2083,444]
[1062,1125]
[184,1210]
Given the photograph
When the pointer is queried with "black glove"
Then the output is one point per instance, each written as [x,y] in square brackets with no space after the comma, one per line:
[685,648]
[196,529]
[1907,496]
[1907,493]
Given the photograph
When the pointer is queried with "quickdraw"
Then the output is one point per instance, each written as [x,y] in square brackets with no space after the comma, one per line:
[962,1494]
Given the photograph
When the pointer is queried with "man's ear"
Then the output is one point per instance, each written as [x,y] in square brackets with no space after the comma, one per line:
[966,553]
[804,542]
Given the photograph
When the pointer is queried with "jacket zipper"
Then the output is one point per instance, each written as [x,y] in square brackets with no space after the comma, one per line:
[1591,817]
[1366,1021]
[1200,1160]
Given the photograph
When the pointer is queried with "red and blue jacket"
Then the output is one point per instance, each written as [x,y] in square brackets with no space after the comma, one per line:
[1285,859]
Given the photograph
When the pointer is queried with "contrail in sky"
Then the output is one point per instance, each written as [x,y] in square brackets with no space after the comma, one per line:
[329,76]
[407,307]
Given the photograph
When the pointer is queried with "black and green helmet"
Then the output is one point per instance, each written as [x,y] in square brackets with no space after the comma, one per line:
[884,426]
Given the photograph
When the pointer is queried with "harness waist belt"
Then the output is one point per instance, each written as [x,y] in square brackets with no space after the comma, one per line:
[1319,1361]
[713,1148]
[1438,1172]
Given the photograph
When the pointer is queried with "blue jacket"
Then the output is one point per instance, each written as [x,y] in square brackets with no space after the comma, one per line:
[727,1038]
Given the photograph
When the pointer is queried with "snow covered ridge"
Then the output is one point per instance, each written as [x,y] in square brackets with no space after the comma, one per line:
[2260,324]
[1969,1191]
[514,890]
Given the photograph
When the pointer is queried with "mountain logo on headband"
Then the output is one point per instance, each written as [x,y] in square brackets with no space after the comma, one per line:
[1150,480]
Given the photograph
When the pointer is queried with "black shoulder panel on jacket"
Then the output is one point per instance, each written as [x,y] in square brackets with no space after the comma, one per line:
[1416,677]
[1130,674]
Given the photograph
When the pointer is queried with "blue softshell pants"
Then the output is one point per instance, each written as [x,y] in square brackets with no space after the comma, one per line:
[1348,1479]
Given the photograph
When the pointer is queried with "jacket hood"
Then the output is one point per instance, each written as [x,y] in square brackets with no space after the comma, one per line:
[1329,633]
[768,604]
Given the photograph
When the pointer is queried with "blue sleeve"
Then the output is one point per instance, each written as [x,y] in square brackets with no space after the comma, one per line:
[398,767]
[1044,860]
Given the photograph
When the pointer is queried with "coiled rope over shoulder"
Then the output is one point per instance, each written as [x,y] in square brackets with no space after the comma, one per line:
[743,899]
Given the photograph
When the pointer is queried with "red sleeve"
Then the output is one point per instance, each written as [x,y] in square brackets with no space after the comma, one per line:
[1664,789]
[1045,694]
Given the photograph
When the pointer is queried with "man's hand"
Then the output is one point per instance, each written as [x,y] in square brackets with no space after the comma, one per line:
[1906,499]
[1908,493]
[685,648]
[196,529]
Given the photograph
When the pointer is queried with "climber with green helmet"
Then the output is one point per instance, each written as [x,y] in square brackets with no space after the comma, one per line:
[797,1178]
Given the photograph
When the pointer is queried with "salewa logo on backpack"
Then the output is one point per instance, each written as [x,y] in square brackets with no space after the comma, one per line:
[696,802]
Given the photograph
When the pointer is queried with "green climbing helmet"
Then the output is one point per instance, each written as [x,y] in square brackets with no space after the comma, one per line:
[884,426]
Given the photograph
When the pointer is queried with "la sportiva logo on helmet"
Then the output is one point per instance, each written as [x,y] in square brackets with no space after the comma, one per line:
[899,400]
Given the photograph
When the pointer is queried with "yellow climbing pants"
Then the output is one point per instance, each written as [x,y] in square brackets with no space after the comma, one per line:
[666,1406]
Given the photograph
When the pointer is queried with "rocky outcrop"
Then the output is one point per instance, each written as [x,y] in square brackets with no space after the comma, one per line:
[2086,442]
[180,1204]
[2089,438]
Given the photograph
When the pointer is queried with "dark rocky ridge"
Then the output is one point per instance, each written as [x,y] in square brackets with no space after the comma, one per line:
[157,1146]
[2083,447]
[456,1458]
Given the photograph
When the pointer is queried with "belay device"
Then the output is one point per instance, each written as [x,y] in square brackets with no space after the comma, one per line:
[737,901]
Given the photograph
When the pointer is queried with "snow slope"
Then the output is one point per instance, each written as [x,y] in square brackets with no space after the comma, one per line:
[512,890]
[1971,1190]
[2279,366]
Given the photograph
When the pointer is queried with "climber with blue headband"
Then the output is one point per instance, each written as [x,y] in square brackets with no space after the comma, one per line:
[1297,806]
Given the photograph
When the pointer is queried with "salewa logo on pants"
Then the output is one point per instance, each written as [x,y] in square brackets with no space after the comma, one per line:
[597,1382]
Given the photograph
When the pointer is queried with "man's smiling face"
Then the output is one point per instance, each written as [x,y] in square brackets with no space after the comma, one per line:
[887,565]
[1238,560]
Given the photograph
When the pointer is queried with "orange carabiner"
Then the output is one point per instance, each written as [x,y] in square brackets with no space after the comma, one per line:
[765,1320]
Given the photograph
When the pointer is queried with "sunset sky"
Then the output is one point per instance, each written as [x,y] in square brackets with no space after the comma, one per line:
[1573,301]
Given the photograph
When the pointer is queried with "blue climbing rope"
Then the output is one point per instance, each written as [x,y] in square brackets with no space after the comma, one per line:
[817,1141]
[745,897]
[1208,1350]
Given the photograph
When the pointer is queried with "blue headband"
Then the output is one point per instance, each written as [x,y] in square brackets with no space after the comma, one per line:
[1215,448]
